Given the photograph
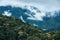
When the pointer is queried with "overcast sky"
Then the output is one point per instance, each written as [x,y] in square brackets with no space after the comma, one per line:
[49,5]
[44,2]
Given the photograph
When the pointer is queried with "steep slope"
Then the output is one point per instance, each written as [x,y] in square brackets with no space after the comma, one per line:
[14,29]
[32,15]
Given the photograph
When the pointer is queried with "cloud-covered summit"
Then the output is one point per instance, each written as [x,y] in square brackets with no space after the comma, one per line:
[34,13]
[41,5]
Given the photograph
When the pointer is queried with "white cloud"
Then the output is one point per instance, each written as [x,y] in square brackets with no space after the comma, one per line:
[12,3]
[20,4]
[21,18]
[35,24]
[6,13]
[47,5]
[37,16]
[44,29]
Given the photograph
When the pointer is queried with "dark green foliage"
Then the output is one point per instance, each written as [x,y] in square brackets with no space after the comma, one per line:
[14,29]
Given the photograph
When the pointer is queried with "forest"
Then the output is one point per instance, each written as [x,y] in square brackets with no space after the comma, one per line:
[14,29]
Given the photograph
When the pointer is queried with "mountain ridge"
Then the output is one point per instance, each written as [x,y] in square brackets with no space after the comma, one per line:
[12,28]
[31,17]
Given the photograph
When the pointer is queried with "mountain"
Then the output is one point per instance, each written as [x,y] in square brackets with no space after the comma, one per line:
[48,21]
[12,28]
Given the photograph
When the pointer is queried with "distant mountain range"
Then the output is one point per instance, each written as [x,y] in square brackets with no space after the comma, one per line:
[45,20]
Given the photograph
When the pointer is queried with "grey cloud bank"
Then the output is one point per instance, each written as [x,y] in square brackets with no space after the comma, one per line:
[45,5]
[48,4]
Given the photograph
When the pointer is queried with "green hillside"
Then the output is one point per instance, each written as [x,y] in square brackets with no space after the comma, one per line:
[14,29]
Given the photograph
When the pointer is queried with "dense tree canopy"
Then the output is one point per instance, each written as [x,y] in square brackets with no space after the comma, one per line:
[14,29]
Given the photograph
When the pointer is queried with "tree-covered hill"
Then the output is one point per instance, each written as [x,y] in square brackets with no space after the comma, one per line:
[14,29]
